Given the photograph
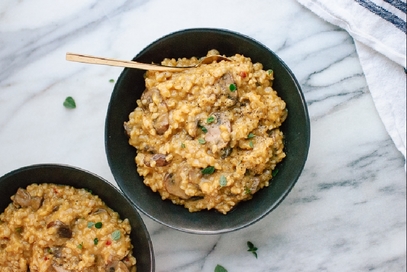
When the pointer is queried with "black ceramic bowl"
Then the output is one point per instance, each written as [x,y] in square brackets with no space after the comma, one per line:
[66,175]
[129,87]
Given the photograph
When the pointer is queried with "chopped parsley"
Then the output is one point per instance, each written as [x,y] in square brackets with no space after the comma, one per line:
[19,229]
[210,119]
[252,248]
[208,170]
[223,181]
[80,246]
[201,141]
[250,136]
[220,268]
[274,172]
[232,87]
[98,225]
[204,129]
[69,103]
[251,144]
[182,145]
[116,235]
[247,190]
[111,80]
[90,224]
[95,241]
[269,71]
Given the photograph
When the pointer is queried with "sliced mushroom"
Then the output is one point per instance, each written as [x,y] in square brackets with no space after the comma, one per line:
[63,230]
[147,96]
[214,134]
[117,266]
[98,211]
[172,185]
[224,83]
[23,199]
[161,124]
[160,159]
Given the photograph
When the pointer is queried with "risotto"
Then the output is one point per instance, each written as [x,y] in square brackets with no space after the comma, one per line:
[208,137]
[50,227]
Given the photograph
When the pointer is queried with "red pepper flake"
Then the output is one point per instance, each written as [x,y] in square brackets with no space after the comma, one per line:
[45,258]
[108,242]
[243,74]
[55,191]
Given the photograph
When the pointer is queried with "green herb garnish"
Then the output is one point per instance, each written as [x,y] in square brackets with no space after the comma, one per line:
[220,268]
[69,103]
[98,225]
[80,246]
[210,119]
[252,248]
[201,141]
[232,87]
[208,170]
[251,144]
[274,172]
[223,181]
[204,129]
[247,190]
[19,229]
[116,235]
[111,80]
[95,241]
[90,224]
[250,136]
[269,71]
[182,145]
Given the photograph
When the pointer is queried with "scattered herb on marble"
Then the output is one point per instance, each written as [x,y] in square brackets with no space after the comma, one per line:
[208,170]
[220,268]
[252,248]
[69,103]
[116,235]
[111,80]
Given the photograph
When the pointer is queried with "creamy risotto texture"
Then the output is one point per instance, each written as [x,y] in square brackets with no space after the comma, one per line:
[50,227]
[208,137]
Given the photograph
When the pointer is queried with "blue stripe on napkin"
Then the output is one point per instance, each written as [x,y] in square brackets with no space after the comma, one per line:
[385,14]
[398,5]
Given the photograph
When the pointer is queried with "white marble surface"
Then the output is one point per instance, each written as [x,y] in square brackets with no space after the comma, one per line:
[346,213]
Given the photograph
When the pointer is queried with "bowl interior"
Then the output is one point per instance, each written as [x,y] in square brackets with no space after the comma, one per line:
[59,174]
[129,87]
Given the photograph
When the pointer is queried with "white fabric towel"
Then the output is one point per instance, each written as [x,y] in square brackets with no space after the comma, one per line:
[379,30]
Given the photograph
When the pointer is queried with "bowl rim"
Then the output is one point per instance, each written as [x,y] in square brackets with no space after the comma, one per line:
[303,107]
[55,166]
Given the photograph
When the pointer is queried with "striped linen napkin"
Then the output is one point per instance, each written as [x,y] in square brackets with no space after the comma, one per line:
[378,28]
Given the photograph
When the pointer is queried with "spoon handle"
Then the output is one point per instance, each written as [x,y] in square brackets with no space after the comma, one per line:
[120,63]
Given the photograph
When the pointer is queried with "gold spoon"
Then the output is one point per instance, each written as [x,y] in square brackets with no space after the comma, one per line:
[138,65]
